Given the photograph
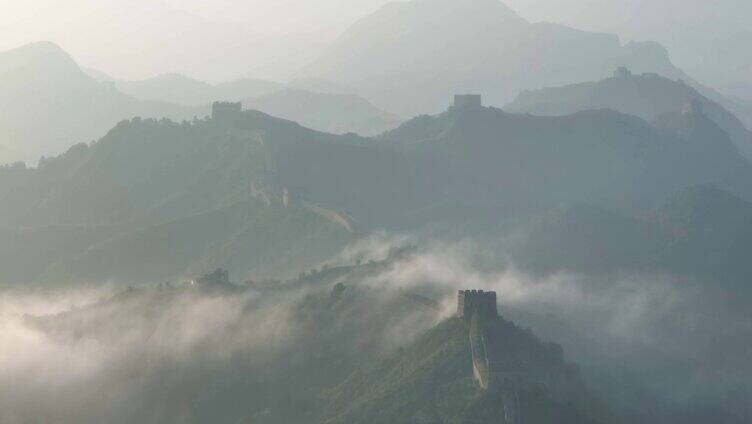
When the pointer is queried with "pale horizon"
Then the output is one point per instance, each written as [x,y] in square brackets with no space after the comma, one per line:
[95,32]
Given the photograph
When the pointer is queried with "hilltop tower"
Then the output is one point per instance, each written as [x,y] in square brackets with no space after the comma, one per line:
[226,111]
[469,301]
[622,72]
[218,277]
[468,101]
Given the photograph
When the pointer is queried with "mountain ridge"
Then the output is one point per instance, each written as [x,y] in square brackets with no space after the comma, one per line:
[42,82]
[646,95]
[402,38]
[433,380]
[464,168]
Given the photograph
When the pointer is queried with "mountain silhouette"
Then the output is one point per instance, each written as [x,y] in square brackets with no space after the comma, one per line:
[432,380]
[434,48]
[41,83]
[647,96]
[216,184]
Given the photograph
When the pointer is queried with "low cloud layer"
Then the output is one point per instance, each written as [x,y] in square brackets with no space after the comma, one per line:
[682,338]
[184,355]
[97,363]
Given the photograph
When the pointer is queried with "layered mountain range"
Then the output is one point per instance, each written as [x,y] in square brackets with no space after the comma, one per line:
[49,104]
[613,214]
[435,48]
[472,167]
[41,83]
[648,96]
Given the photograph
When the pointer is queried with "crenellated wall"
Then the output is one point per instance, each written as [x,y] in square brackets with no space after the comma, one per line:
[469,301]
[468,101]
[479,309]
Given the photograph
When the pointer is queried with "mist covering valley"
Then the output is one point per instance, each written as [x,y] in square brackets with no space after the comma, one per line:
[157,346]
[261,229]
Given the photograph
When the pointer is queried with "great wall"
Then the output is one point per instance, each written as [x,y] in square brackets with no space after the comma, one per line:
[478,308]
[267,190]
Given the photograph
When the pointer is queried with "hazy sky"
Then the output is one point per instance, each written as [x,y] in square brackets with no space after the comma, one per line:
[265,16]
[284,15]
[707,38]
[140,38]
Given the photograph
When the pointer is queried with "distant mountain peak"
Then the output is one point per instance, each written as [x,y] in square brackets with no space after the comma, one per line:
[468,5]
[39,55]
[41,47]
[454,9]
[432,48]
[649,96]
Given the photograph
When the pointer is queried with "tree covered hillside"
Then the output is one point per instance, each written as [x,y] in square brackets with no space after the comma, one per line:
[432,381]
[250,183]
[155,200]
[322,348]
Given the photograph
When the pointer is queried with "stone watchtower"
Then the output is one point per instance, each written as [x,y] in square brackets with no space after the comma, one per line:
[469,301]
[468,101]
[622,72]
[226,111]
[478,308]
